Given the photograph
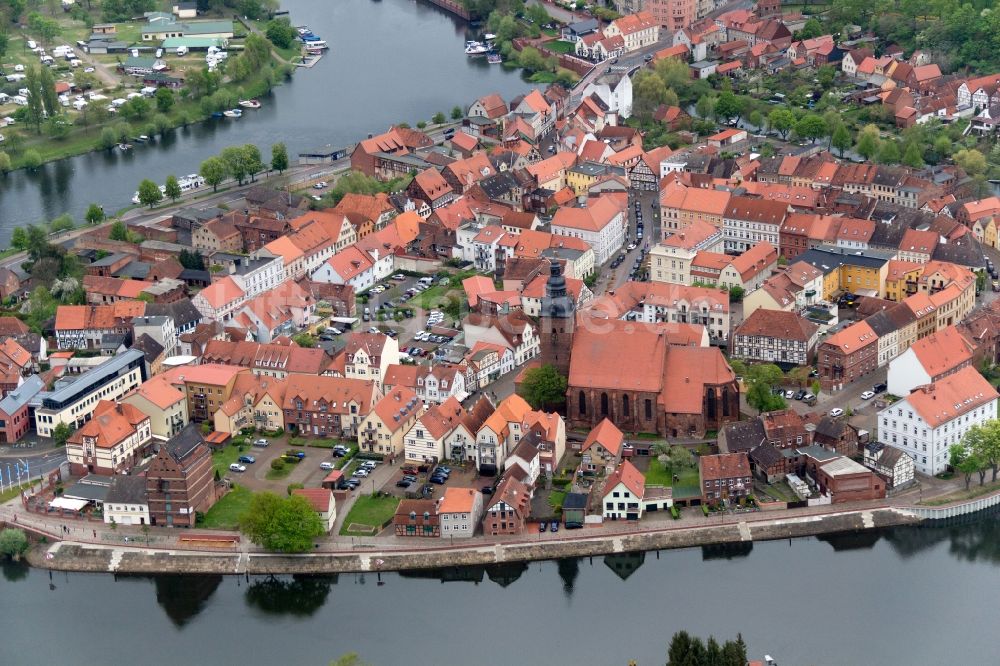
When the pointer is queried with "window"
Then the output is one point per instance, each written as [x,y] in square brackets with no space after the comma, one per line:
[649,409]
[604,404]
[583,403]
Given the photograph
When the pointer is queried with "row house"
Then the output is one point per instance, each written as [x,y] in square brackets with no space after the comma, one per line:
[433,384]
[725,478]
[500,433]
[689,305]
[267,359]
[670,260]
[848,355]
[383,430]
[220,300]
[748,222]
[637,30]
[775,336]
[327,406]
[431,187]
[368,356]
[790,289]
[255,402]
[486,362]
[84,326]
[15,412]
[397,141]
[536,111]
[681,206]
[433,435]
[513,330]
[928,360]
[165,404]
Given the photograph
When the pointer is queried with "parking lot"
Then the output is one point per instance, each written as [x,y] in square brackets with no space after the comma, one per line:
[307,471]
[461,475]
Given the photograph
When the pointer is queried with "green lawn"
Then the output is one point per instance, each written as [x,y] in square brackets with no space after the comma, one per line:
[225,514]
[11,493]
[222,459]
[688,483]
[657,474]
[370,510]
[277,474]
[782,492]
[556,499]
[561,47]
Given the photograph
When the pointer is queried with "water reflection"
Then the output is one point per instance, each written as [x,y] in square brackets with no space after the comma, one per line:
[726,551]
[296,595]
[625,564]
[865,540]
[184,597]
[14,571]
[449,574]
[568,569]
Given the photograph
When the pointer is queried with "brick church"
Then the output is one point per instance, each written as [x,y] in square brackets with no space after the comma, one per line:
[644,377]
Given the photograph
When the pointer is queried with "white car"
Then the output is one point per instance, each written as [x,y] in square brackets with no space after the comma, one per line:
[836,411]
[326,465]
[361,473]
[632,246]
[789,394]
[236,467]
[89,70]
[868,395]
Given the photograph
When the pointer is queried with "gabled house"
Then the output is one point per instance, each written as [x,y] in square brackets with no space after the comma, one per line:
[623,493]
[500,433]
[508,508]
[385,427]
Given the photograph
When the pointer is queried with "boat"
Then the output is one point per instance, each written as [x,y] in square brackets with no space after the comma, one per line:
[124,147]
[315,50]
[303,30]
[142,138]
[489,37]
[494,59]
[315,43]
[233,113]
[476,48]
[249,104]
[217,114]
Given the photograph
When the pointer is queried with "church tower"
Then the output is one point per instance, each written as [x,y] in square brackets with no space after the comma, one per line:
[557,318]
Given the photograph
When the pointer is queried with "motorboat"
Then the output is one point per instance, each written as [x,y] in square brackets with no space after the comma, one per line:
[249,104]
[476,48]
[124,147]
[494,59]
[233,113]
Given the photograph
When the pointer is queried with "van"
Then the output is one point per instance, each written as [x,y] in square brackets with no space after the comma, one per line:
[32,44]
[75,63]
[182,51]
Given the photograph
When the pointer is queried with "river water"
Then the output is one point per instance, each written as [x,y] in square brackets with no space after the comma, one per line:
[390,61]
[908,596]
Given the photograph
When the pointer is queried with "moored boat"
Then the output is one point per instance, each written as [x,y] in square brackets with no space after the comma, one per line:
[232,113]
[249,103]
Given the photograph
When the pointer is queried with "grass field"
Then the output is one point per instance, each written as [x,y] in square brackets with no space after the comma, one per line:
[687,484]
[222,459]
[370,511]
[560,47]
[225,514]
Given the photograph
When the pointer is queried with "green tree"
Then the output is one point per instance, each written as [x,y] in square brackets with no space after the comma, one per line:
[782,121]
[680,646]
[214,170]
[729,106]
[34,111]
[438,118]
[62,223]
[19,238]
[648,93]
[705,107]
[237,166]
[164,99]
[5,163]
[810,126]
[841,139]
[812,29]
[756,119]
[912,157]
[31,159]
[149,193]
[13,543]
[253,160]
[984,441]
[60,435]
[868,144]
[280,32]
[971,160]
[964,461]
[161,123]
[888,152]
[736,293]
[304,340]
[108,139]
[173,188]
[826,75]
[281,524]
[94,214]
[47,84]
[456,113]
[118,231]
[349,659]
[543,386]
[279,157]
[191,259]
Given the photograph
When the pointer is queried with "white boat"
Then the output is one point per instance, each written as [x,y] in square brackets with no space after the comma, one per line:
[494,59]
[124,146]
[489,36]
[304,30]
[233,113]
[187,183]
[249,104]
[316,44]
[476,48]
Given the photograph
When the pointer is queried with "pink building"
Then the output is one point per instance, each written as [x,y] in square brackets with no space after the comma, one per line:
[673,14]
[14,418]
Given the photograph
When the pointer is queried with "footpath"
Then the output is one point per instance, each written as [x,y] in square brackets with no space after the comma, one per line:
[95,547]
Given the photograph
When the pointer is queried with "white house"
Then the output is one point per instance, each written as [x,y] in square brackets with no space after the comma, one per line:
[501,432]
[352,266]
[126,502]
[929,420]
[623,493]
[615,90]
[526,457]
[459,511]
[889,462]
[927,360]
[369,355]
[601,225]
[322,502]
[425,440]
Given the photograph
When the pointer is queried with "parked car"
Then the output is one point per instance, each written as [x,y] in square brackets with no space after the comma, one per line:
[403,483]
[236,467]
[809,399]
[868,395]
[261,443]
[353,483]
[326,464]
[444,468]
[836,411]
[362,473]
[879,388]
[555,525]
[247,459]
[789,394]
[486,490]
[409,469]
[409,477]
[543,526]
[439,480]
[296,454]
[573,525]
[800,394]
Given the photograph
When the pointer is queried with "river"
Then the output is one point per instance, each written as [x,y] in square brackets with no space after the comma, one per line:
[390,61]
[908,596]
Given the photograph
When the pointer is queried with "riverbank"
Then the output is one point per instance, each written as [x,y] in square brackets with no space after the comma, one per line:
[89,557]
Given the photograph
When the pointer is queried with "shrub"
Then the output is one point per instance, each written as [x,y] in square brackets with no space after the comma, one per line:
[704,509]
[277,464]
[675,512]
[293,486]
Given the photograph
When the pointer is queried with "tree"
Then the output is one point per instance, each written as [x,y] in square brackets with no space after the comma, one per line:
[34,111]
[648,93]
[705,108]
[253,160]
[31,160]
[349,659]
[736,294]
[761,397]
[826,75]
[118,231]
[214,171]
[810,126]
[5,163]
[62,223]
[868,143]
[687,650]
[149,193]
[456,113]
[94,214]
[984,441]
[963,461]
[164,99]
[543,386]
[172,188]
[841,139]
[729,106]
[912,156]
[108,139]
[50,100]
[191,259]
[235,159]
[304,340]
[280,32]
[19,238]
[281,524]
[60,435]
[756,119]
[13,543]
[680,646]
[439,118]
[888,152]
[812,29]
[279,157]
[971,160]
[782,121]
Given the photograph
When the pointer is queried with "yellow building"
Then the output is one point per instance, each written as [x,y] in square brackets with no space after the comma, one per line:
[584,175]
[383,430]
[900,279]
